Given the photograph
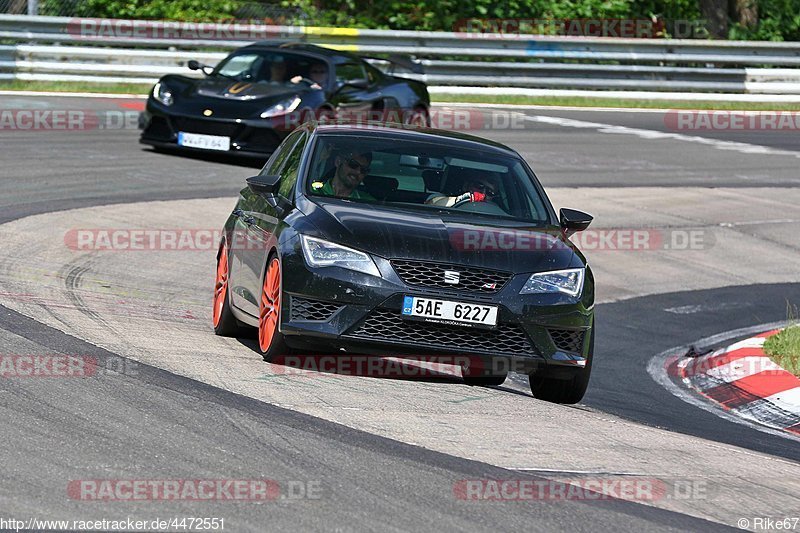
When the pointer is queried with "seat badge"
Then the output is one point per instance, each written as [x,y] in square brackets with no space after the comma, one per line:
[452,277]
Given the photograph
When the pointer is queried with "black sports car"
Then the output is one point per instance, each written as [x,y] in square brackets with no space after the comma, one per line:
[256,96]
[385,239]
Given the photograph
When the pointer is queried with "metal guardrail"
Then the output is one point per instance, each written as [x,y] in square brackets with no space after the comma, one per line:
[140,52]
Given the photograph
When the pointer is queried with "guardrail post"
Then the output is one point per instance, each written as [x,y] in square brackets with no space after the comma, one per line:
[33,7]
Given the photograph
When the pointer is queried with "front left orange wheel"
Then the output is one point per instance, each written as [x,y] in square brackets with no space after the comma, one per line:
[224,322]
[270,339]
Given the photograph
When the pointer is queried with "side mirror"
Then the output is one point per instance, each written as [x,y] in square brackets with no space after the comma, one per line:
[196,65]
[573,221]
[263,185]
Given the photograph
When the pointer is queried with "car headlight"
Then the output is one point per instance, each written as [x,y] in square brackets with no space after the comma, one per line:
[569,281]
[163,94]
[319,253]
[281,108]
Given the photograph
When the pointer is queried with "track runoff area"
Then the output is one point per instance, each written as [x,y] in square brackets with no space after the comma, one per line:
[693,243]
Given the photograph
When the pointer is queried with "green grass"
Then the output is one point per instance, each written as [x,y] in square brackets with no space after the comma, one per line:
[577,101]
[133,88]
[784,349]
[80,87]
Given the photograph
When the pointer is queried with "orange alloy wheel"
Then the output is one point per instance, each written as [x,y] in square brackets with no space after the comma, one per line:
[220,285]
[270,305]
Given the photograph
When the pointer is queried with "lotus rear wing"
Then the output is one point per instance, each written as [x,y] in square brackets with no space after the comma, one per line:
[396,60]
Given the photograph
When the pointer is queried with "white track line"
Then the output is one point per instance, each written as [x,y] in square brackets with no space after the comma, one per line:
[616,95]
[745,148]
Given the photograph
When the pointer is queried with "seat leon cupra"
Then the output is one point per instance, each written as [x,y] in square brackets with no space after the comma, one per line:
[390,240]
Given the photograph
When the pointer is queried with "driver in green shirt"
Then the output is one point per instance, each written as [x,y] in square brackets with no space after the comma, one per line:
[348,173]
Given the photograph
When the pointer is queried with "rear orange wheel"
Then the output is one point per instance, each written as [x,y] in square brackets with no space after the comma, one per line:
[270,340]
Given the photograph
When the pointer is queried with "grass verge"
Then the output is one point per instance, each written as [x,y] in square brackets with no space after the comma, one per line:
[784,349]
[580,101]
[75,87]
[574,101]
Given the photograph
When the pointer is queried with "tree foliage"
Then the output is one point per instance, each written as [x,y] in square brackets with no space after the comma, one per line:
[776,19]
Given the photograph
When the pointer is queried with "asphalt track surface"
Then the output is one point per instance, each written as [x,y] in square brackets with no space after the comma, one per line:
[159,425]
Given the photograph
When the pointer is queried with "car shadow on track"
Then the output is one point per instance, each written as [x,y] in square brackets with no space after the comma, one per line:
[392,367]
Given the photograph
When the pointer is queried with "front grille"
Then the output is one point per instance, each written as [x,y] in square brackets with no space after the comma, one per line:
[569,340]
[427,274]
[206,127]
[303,309]
[386,325]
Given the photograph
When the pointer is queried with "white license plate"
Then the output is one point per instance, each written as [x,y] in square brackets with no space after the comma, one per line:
[206,142]
[447,312]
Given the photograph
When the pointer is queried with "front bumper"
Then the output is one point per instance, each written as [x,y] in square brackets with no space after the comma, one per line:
[334,307]
[253,138]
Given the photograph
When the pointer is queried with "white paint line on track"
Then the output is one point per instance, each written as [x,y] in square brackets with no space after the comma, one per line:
[532,107]
[608,109]
[745,148]
[616,95]
[657,371]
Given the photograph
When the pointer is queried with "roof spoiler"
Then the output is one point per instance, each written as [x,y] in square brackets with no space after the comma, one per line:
[404,61]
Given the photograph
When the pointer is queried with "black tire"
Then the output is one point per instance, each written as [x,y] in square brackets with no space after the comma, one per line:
[227,326]
[277,345]
[567,390]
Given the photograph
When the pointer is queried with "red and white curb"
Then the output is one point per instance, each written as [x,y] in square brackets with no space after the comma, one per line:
[743,381]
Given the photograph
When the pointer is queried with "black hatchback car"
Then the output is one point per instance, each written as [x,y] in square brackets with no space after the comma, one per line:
[257,95]
[381,239]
